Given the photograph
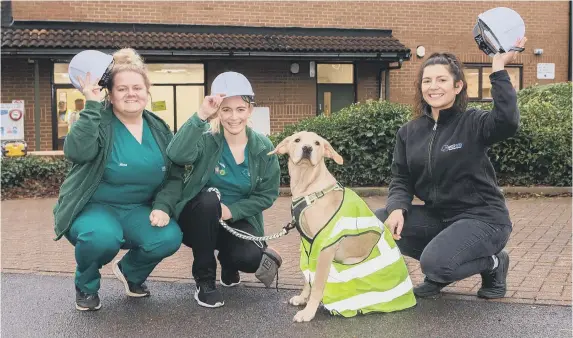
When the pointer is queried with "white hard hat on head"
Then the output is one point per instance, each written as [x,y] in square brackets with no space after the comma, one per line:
[231,84]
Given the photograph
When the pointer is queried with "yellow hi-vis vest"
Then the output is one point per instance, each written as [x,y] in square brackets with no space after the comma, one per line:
[380,283]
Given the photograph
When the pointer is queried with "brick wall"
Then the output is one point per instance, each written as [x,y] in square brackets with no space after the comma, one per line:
[438,26]
[291,97]
[18,84]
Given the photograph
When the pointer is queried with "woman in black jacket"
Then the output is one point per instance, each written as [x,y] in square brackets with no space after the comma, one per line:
[441,157]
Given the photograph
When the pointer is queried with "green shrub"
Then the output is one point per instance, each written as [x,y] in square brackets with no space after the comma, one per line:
[19,169]
[363,134]
[539,154]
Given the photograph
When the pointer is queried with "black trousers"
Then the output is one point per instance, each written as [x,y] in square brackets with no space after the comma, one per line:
[449,251]
[199,222]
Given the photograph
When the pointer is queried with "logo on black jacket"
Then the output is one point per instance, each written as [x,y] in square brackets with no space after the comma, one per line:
[451,147]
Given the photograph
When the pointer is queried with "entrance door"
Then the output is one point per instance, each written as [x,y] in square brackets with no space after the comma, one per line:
[335,87]
[175,104]
[332,98]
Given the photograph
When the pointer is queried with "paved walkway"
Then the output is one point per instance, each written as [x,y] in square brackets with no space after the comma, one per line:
[540,249]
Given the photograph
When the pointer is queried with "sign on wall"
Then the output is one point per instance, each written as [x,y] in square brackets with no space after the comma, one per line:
[261,120]
[12,120]
[546,71]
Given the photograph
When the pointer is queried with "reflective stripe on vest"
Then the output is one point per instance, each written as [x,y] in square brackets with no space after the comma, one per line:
[371,298]
[387,257]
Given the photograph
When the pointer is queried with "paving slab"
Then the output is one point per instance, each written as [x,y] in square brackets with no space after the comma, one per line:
[539,248]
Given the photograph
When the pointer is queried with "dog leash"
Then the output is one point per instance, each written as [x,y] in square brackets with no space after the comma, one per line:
[247,236]
[257,239]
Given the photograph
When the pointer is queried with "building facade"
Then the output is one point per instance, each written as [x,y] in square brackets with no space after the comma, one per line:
[304,58]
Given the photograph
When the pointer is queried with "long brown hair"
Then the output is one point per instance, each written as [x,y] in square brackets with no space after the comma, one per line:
[456,68]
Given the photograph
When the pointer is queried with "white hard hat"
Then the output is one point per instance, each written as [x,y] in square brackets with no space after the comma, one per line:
[231,84]
[497,30]
[98,64]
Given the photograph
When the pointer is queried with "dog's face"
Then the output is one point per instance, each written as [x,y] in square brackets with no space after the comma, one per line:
[307,148]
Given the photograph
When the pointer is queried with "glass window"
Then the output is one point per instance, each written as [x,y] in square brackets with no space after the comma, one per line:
[189,99]
[479,84]
[161,103]
[61,73]
[175,110]
[486,87]
[335,73]
[70,102]
[161,73]
[472,78]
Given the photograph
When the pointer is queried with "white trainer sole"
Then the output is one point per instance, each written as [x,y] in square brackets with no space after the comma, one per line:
[87,308]
[218,304]
[121,277]
[230,285]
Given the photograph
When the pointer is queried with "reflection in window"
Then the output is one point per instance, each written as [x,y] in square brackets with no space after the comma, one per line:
[335,73]
[68,106]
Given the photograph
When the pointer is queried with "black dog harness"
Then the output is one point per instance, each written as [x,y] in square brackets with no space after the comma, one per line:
[300,204]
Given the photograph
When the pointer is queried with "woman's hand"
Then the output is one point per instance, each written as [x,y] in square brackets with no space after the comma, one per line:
[395,223]
[158,218]
[210,106]
[500,60]
[225,212]
[91,90]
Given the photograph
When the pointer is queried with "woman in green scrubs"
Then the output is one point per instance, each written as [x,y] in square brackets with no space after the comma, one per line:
[122,189]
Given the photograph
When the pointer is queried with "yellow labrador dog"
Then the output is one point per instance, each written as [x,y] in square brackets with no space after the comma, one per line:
[349,260]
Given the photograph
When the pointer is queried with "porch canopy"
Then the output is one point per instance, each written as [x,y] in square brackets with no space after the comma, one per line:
[49,39]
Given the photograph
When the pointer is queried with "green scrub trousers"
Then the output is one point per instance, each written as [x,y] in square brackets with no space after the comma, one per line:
[117,215]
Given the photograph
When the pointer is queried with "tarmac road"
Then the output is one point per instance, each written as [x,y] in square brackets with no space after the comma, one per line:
[43,306]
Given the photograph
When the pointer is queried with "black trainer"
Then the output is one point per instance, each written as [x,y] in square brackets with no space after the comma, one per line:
[87,301]
[429,288]
[207,295]
[131,289]
[230,278]
[493,283]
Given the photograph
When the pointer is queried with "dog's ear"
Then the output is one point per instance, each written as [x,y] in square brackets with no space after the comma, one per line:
[331,153]
[282,147]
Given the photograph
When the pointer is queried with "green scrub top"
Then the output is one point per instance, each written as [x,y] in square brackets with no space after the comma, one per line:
[133,172]
[233,180]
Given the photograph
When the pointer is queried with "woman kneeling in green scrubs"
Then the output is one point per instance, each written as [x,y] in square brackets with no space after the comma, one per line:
[122,189]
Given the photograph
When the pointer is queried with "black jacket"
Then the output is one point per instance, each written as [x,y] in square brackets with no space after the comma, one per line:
[445,164]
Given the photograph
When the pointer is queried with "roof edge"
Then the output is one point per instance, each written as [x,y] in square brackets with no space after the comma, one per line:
[151,27]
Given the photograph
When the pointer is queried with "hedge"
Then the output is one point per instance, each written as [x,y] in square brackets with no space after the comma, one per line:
[364,135]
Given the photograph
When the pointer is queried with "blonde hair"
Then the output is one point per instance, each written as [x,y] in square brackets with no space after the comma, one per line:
[127,59]
[215,122]
[215,125]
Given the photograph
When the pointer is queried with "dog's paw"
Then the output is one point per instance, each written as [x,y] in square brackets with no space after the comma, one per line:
[305,315]
[297,300]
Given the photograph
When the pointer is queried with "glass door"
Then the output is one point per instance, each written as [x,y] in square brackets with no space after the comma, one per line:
[335,87]
[189,99]
[161,102]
